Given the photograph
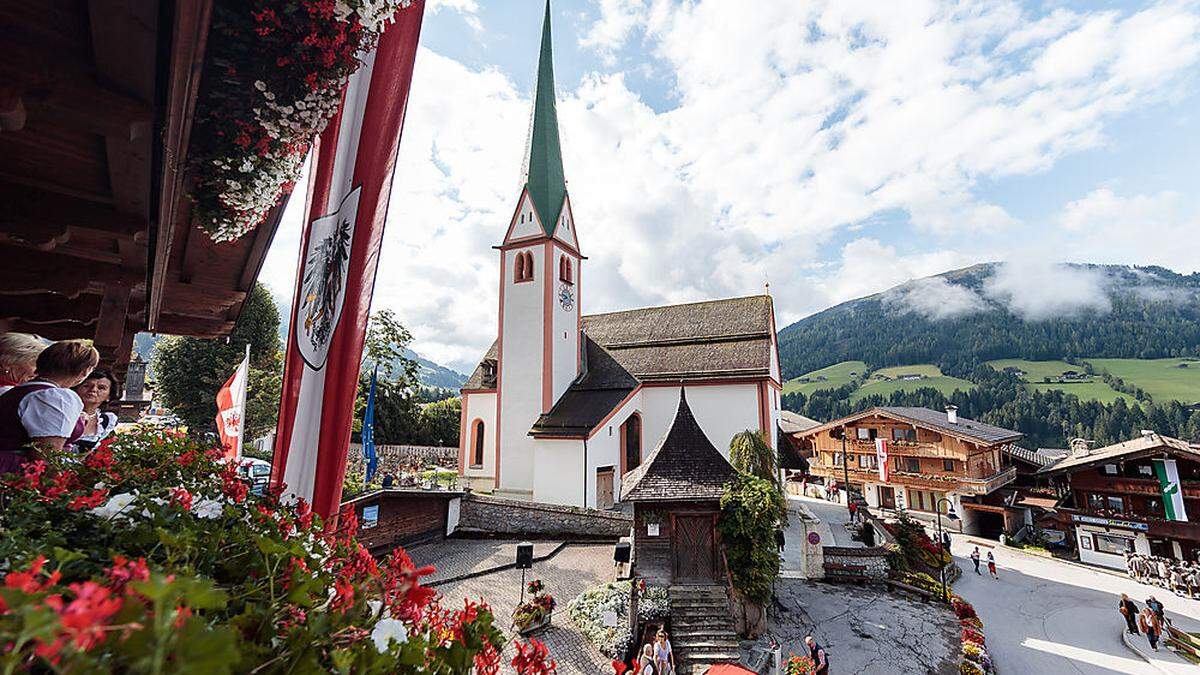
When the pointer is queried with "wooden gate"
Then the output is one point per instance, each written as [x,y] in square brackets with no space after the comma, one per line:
[887,497]
[694,550]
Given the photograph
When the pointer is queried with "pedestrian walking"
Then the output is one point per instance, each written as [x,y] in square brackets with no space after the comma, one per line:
[945,540]
[975,559]
[817,653]
[1156,606]
[991,561]
[646,663]
[853,512]
[664,656]
[1129,610]
[1151,626]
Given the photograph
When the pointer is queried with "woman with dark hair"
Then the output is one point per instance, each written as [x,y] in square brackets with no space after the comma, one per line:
[43,414]
[95,391]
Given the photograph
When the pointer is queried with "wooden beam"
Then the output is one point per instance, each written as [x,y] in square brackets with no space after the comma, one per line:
[174,324]
[113,314]
[22,272]
[63,330]
[40,216]
[123,42]
[45,307]
[188,39]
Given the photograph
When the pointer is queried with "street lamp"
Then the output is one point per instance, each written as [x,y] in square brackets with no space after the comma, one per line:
[941,538]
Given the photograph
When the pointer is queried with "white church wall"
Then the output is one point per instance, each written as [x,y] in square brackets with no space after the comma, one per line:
[480,407]
[558,472]
[773,396]
[604,448]
[564,331]
[520,369]
[721,410]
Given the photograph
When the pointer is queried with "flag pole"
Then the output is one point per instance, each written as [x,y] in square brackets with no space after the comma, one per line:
[245,404]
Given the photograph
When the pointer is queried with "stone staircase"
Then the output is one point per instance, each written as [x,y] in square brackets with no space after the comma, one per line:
[702,631]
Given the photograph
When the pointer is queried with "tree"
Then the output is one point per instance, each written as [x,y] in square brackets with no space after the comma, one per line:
[752,510]
[749,452]
[190,371]
[440,422]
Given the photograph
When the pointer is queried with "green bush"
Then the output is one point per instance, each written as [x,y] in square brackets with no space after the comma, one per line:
[752,509]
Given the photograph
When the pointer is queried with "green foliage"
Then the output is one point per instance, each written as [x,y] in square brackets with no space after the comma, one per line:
[750,453]
[190,371]
[752,509]
[440,422]
[150,556]
[385,345]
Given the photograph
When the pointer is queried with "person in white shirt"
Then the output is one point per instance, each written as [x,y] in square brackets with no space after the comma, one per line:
[18,358]
[44,414]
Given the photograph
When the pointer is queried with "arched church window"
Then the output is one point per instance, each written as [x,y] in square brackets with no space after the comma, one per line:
[631,442]
[528,266]
[565,271]
[477,443]
[519,268]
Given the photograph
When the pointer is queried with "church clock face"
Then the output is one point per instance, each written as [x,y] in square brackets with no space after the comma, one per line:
[566,296]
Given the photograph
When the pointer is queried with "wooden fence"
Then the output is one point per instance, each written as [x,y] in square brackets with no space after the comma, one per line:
[395,457]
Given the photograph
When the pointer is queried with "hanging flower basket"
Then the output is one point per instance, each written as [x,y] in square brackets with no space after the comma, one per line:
[272,81]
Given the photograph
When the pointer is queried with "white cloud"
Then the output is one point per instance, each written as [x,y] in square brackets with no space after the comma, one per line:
[790,125]
[1159,229]
[1036,290]
[935,298]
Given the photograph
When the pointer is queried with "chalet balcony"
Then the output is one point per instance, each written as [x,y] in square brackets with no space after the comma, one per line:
[924,481]
[1156,526]
[910,449]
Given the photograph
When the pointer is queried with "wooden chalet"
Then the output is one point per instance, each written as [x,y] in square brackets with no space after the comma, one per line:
[96,235]
[676,494]
[931,456]
[1112,501]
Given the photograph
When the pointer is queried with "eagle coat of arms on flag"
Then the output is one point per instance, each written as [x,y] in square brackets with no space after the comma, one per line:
[323,281]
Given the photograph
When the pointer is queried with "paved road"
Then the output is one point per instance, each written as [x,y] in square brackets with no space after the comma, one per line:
[1047,616]
[833,517]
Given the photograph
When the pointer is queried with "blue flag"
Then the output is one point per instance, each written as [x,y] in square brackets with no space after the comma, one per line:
[368,430]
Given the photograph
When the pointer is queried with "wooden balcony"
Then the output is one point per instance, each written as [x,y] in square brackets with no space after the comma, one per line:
[909,449]
[923,481]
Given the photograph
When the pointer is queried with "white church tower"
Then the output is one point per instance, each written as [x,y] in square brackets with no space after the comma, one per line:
[540,283]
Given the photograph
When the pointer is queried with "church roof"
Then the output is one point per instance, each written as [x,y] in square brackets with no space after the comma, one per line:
[685,466]
[544,178]
[699,341]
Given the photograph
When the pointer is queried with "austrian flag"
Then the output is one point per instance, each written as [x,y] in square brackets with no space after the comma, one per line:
[231,408]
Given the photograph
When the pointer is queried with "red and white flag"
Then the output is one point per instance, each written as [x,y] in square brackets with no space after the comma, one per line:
[231,408]
[352,165]
[881,457]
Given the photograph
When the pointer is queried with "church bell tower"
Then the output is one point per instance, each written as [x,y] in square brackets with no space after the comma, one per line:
[540,282]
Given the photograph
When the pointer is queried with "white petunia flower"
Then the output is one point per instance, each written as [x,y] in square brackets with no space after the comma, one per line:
[386,630]
[114,506]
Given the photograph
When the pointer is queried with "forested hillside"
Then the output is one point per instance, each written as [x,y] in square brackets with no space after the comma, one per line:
[962,319]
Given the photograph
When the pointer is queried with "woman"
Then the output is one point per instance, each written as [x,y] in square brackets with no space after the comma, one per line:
[1151,626]
[991,563]
[664,656]
[44,414]
[18,358]
[95,391]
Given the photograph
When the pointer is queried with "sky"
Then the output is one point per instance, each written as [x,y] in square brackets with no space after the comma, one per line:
[828,149]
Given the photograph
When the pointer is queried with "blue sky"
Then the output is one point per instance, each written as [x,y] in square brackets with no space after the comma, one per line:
[832,149]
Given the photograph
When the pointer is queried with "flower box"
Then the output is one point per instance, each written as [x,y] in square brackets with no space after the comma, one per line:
[534,625]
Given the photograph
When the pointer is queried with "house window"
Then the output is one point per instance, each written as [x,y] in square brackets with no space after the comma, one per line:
[867,462]
[631,441]
[866,433]
[477,443]
[948,465]
[1106,543]
[898,463]
[904,434]
[1145,470]
[837,458]
[1109,469]
[912,465]
[1115,504]
[1095,502]
[1154,506]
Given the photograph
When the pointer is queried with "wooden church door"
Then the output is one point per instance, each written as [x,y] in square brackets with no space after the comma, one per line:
[694,550]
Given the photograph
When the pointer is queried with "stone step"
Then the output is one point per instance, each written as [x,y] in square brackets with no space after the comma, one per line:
[707,643]
[685,624]
[699,602]
[703,638]
[715,656]
[691,591]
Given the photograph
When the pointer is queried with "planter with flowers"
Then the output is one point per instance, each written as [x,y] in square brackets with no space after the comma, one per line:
[798,665]
[535,613]
[272,81]
[148,555]
[975,658]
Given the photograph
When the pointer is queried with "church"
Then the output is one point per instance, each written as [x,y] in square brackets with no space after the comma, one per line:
[564,404]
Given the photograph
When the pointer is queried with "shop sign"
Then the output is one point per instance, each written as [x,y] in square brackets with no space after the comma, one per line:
[1108,522]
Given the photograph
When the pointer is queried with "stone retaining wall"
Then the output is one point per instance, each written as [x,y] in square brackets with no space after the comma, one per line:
[481,515]
[873,560]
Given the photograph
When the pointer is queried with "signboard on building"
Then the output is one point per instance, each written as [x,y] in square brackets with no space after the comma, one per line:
[1109,522]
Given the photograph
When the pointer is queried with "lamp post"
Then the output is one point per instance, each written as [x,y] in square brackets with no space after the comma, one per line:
[950,514]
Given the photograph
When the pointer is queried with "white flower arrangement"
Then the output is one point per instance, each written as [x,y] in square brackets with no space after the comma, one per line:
[588,608]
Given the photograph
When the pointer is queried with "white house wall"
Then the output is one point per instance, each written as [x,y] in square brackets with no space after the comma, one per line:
[520,369]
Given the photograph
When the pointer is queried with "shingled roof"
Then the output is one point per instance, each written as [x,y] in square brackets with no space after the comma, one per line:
[1140,446]
[977,432]
[684,467]
[712,340]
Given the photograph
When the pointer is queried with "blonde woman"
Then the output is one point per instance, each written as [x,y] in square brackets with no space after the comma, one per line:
[44,414]
[18,358]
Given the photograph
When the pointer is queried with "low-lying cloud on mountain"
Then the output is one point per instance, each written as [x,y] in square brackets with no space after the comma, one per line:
[1032,291]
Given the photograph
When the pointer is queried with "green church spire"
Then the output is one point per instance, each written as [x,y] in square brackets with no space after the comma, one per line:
[545,180]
